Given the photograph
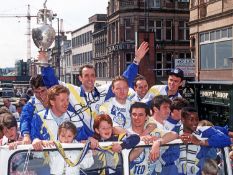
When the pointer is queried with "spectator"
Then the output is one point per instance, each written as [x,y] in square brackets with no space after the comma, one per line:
[10,130]
[8,104]
[210,167]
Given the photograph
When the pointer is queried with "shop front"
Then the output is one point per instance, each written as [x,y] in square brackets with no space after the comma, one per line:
[213,100]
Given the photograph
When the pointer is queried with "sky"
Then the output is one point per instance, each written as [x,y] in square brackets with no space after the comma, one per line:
[13,30]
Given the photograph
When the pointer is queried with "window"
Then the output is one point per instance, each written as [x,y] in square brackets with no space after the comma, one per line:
[168,30]
[128,31]
[154,3]
[159,64]
[158,32]
[129,58]
[216,49]
[183,30]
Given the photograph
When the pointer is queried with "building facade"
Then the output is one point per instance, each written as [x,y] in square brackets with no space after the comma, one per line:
[211,24]
[82,43]
[211,44]
[163,23]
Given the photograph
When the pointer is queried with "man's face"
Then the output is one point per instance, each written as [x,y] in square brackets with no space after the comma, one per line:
[120,89]
[10,133]
[41,94]
[190,123]
[6,103]
[176,114]
[164,111]
[141,88]
[174,83]
[138,117]
[66,136]
[60,104]
[88,79]
[104,130]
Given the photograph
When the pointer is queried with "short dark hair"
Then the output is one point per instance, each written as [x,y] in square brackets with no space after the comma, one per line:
[69,126]
[140,105]
[185,112]
[157,101]
[36,82]
[178,103]
[139,77]
[89,66]
[8,120]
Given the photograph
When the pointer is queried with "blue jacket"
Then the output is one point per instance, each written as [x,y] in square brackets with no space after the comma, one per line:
[86,108]
[33,106]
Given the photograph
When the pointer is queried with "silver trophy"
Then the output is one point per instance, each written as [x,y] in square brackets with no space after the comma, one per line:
[44,34]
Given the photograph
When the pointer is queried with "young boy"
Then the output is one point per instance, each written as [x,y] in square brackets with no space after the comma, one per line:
[11,137]
[66,134]
[103,127]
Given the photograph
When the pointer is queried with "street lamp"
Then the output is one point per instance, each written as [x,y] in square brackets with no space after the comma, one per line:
[58,47]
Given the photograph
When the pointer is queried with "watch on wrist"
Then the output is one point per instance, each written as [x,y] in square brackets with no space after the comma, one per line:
[135,62]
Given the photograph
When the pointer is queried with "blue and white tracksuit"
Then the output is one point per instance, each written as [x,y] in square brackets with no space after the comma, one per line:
[192,157]
[158,90]
[86,105]
[45,124]
[33,106]
[118,112]
[142,165]
[172,125]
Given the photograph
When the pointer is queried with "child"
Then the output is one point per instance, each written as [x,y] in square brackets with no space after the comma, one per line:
[103,127]
[58,166]
[206,129]
[210,167]
[11,137]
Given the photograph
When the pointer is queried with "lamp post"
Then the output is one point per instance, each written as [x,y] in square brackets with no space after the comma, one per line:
[58,48]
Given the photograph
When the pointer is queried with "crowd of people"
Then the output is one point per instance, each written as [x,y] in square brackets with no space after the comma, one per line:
[125,112]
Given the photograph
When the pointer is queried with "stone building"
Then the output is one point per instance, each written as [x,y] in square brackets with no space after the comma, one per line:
[164,23]
[211,44]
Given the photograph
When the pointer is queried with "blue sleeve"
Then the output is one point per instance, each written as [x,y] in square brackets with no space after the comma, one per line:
[26,118]
[130,73]
[222,129]
[83,133]
[49,76]
[130,141]
[219,140]
[171,154]
[36,125]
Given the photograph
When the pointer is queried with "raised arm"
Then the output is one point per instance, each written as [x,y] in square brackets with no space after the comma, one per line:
[132,70]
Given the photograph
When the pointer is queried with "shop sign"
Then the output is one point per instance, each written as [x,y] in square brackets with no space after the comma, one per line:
[214,94]
[121,46]
[187,65]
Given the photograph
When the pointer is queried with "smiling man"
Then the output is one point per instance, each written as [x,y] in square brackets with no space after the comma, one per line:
[86,99]
[175,80]
[45,123]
